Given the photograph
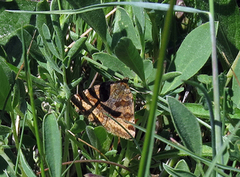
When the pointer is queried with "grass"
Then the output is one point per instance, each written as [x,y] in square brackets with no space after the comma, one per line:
[186,110]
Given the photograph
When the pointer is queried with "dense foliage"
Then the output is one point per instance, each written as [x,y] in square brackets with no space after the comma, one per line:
[46,58]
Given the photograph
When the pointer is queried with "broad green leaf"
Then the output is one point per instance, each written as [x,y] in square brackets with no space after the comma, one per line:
[25,166]
[52,144]
[78,126]
[4,91]
[207,150]
[11,22]
[191,56]
[198,110]
[177,172]
[236,86]
[123,27]
[114,64]
[104,138]
[205,79]
[140,21]
[186,125]
[128,54]
[4,130]
[39,82]
[28,32]
[7,70]
[92,137]
[182,165]
[227,14]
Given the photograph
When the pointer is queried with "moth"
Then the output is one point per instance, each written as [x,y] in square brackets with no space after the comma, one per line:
[105,102]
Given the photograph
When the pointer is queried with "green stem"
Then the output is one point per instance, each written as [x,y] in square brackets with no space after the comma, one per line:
[30,92]
[67,121]
[217,117]
[149,138]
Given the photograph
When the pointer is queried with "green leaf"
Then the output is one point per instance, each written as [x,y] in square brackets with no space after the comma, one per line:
[235,153]
[114,64]
[9,22]
[75,50]
[4,91]
[123,27]
[96,5]
[58,34]
[4,130]
[25,166]
[198,110]
[150,74]
[236,86]
[6,161]
[186,125]
[182,165]
[49,42]
[52,144]
[191,56]
[78,126]
[77,47]
[128,54]
[205,79]
[95,18]
[177,172]
[104,138]
[92,137]
[228,39]
[227,14]
[28,32]
[39,82]
[111,153]
[140,16]
[43,19]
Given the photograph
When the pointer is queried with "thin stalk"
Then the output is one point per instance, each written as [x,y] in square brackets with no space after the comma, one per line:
[217,117]
[67,122]
[30,92]
[149,138]
[20,143]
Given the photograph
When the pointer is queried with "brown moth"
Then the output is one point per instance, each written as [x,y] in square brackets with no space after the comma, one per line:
[108,100]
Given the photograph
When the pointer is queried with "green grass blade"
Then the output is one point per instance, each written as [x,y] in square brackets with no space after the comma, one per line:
[149,138]
[146,5]
[216,96]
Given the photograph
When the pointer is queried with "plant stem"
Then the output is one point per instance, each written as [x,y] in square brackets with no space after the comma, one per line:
[217,117]
[30,92]
[149,138]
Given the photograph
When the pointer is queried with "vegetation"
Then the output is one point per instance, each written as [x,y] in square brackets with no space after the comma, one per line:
[187,104]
